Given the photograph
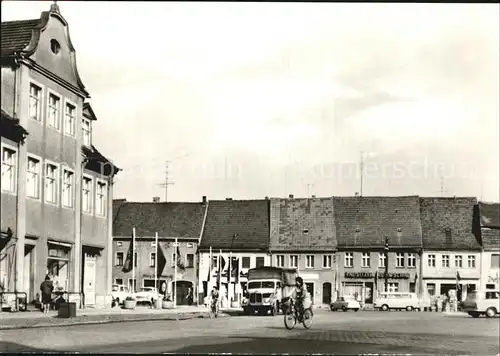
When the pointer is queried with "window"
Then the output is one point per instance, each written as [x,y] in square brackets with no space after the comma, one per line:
[327,261]
[245,262]
[393,287]
[495,260]
[431,289]
[67,189]
[412,261]
[189,260]
[152,259]
[445,261]
[400,260]
[259,262]
[58,264]
[174,259]
[86,129]
[490,286]
[348,259]
[53,112]
[51,183]
[119,243]
[9,168]
[280,261]
[135,259]
[87,195]
[33,178]
[431,260]
[70,119]
[148,283]
[100,204]
[35,98]
[119,281]
[310,261]
[471,261]
[119,260]
[215,260]
[458,261]
[365,259]
[294,261]
[412,287]
[132,284]
[381,259]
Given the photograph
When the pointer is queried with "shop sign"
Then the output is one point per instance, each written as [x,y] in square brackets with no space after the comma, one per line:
[400,275]
[358,275]
[367,275]
[493,278]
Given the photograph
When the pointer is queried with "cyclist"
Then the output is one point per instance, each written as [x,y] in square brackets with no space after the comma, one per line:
[214,298]
[300,296]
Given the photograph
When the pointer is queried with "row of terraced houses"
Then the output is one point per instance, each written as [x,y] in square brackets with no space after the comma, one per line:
[336,243]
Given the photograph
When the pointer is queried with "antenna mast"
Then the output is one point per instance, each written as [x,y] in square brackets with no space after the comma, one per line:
[167,181]
[361,168]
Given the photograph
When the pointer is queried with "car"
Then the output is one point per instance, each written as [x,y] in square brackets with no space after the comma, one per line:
[146,295]
[345,303]
[119,293]
[481,302]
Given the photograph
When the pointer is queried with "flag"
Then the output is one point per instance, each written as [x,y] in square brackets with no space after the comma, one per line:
[458,281]
[210,264]
[236,270]
[128,264]
[161,260]
[178,256]
[219,269]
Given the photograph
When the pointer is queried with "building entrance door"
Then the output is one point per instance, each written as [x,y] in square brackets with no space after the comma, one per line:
[310,289]
[89,275]
[327,293]
[28,272]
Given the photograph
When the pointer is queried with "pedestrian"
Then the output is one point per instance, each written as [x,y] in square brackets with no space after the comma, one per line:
[46,288]
[190,296]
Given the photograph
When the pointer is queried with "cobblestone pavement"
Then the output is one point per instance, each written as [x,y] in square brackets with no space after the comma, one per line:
[362,332]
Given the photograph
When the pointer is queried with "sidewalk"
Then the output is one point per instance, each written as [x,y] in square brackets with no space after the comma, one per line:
[36,319]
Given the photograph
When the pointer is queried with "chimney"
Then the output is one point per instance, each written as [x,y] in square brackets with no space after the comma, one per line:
[266,198]
[356,194]
[229,198]
[313,196]
[290,196]
[156,199]
[204,199]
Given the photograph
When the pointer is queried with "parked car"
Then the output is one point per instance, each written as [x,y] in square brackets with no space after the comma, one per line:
[147,295]
[397,300]
[345,303]
[485,302]
[119,293]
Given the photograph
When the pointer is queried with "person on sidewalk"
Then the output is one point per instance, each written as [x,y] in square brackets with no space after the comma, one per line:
[46,288]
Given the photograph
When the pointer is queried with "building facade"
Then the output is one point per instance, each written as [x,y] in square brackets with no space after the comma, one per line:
[303,236]
[362,225]
[451,242]
[236,231]
[56,187]
[490,239]
[181,222]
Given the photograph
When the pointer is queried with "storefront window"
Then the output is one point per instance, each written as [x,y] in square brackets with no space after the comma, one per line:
[58,265]
[431,289]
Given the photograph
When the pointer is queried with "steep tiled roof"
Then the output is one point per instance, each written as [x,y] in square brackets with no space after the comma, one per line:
[117,203]
[237,225]
[490,214]
[447,223]
[491,239]
[16,35]
[365,221]
[302,224]
[10,127]
[97,162]
[168,219]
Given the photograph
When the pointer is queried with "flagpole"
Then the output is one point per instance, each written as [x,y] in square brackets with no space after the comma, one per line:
[175,275]
[209,268]
[229,278]
[220,269]
[156,261]
[133,259]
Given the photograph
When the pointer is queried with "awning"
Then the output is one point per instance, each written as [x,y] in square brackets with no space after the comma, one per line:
[59,243]
[92,246]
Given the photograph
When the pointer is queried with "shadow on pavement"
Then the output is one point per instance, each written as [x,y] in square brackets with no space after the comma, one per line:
[11,347]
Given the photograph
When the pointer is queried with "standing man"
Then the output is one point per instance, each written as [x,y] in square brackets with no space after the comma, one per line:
[46,288]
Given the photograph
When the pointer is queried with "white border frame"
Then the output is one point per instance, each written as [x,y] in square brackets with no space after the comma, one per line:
[61,102]
[116,258]
[97,181]
[91,195]
[73,187]
[63,121]
[149,279]
[42,100]
[41,176]
[58,182]
[16,171]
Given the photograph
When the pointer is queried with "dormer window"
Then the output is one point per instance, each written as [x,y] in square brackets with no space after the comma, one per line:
[55,47]
[86,132]
[447,231]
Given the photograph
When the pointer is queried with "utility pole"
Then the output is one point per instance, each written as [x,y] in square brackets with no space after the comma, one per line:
[442,190]
[386,251]
[167,182]
[361,167]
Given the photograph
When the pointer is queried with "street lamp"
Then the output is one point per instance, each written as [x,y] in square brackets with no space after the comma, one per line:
[386,252]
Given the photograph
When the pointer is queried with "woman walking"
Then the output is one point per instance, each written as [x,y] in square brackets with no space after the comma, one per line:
[46,288]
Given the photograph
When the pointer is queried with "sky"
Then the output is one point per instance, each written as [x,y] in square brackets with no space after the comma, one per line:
[248,100]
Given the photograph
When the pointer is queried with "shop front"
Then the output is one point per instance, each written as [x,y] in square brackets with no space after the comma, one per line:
[435,287]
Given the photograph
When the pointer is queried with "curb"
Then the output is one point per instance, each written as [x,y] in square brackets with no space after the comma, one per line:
[143,317]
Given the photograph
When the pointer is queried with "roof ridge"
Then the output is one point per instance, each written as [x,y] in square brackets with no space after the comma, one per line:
[20,21]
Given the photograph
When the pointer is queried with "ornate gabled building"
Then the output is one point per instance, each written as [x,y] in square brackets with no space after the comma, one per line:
[489,214]
[362,225]
[303,236]
[56,192]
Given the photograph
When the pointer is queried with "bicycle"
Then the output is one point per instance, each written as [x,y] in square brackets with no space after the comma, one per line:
[214,309]
[292,316]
